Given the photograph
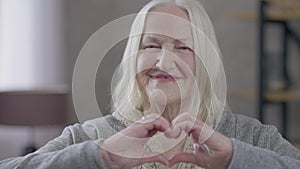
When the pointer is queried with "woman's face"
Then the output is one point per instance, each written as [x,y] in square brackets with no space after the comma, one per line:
[166,59]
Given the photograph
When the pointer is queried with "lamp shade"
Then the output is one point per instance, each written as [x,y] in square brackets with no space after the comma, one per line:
[33,108]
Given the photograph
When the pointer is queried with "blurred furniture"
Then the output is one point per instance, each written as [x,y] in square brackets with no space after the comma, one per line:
[288,10]
[32,109]
[279,13]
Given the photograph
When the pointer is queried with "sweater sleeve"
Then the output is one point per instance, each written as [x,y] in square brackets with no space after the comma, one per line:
[268,150]
[247,156]
[63,152]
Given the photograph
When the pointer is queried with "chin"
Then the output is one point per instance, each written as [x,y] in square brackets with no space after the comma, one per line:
[166,96]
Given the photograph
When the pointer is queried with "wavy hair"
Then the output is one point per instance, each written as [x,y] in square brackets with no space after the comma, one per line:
[208,100]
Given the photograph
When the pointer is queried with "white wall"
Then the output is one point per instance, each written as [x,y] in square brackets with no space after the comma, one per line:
[32,52]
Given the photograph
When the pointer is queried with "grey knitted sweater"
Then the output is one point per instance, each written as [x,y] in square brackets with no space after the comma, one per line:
[255,146]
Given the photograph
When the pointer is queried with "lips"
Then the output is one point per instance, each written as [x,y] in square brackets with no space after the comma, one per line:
[163,77]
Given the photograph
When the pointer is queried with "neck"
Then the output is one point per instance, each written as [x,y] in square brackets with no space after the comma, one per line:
[173,110]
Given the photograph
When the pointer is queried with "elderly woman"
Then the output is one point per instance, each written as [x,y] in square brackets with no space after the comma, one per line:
[169,107]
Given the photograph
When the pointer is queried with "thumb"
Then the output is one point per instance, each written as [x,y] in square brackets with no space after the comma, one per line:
[154,157]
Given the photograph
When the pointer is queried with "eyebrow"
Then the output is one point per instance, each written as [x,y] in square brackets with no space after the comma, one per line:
[150,38]
[153,38]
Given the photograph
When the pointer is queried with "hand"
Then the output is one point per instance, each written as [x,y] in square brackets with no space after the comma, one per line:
[213,150]
[126,148]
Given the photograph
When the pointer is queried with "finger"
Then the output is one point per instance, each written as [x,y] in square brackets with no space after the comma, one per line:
[201,148]
[150,118]
[173,132]
[192,130]
[157,122]
[207,134]
[187,118]
[147,127]
[199,131]
[157,125]
[183,157]
[184,117]
[154,157]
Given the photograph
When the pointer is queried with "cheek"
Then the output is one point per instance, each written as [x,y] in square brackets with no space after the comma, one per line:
[145,61]
[190,62]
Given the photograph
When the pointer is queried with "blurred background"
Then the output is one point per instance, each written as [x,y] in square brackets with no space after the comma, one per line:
[40,41]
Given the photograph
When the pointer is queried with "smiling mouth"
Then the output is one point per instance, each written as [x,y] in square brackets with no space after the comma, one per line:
[163,78]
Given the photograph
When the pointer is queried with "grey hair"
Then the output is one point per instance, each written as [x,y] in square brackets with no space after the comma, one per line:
[208,100]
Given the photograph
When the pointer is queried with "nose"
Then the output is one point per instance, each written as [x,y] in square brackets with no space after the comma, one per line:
[166,60]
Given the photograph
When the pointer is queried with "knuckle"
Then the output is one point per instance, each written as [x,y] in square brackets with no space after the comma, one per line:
[186,116]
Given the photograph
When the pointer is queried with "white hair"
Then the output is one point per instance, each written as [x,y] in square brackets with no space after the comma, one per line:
[209,99]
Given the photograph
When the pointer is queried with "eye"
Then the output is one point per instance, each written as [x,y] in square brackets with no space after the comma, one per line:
[151,47]
[184,48]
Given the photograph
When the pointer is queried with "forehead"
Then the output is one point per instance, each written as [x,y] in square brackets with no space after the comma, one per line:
[159,39]
[168,20]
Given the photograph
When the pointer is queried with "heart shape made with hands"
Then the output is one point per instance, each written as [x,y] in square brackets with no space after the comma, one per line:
[129,144]
[198,131]
[127,147]
[183,126]
[211,149]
